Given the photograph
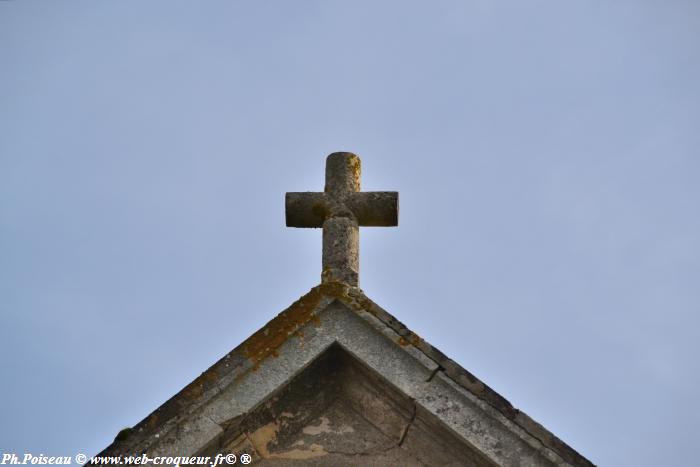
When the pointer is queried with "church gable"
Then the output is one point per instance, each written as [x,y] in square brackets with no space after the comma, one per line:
[336,380]
[336,377]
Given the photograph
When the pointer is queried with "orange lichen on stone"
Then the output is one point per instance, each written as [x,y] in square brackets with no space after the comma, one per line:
[409,339]
[414,338]
[267,341]
[359,302]
[334,289]
[354,166]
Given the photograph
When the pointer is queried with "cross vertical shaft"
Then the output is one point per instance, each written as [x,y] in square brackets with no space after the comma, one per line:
[341,232]
[341,209]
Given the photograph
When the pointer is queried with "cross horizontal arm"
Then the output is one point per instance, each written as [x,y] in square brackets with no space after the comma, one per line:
[370,208]
[375,208]
[305,209]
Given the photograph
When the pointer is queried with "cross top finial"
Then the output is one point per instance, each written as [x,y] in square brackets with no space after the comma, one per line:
[341,209]
[342,172]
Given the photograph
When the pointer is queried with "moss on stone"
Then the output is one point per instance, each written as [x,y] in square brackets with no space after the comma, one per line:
[123,434]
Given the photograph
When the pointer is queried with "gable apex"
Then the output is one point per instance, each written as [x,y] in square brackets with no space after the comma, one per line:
[210,413]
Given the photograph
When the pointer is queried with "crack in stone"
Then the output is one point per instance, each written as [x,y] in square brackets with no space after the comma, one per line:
[215,422]
[250,441]
[408,425]
[434,372]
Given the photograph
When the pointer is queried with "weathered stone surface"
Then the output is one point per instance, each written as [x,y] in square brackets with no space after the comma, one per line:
[340,412]
[332,363]
[341,250]
[370,208]
[341,209]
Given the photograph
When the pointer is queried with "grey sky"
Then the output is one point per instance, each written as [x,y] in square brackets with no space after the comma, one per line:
[546,152]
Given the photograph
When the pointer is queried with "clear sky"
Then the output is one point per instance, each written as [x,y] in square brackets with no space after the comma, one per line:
[547,156]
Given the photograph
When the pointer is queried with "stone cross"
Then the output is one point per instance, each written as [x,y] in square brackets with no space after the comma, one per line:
[340,210]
